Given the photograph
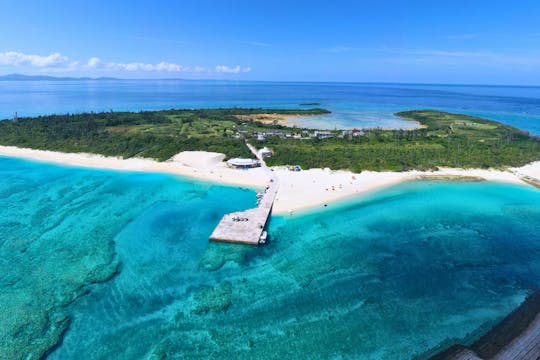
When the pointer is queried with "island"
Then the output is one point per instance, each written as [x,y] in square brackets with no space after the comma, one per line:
[336,164]
[442,139]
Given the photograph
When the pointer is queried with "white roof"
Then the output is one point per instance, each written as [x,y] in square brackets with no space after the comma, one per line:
[242,162]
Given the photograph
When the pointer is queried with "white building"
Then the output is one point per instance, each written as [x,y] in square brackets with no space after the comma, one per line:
[240,163]
[322,134]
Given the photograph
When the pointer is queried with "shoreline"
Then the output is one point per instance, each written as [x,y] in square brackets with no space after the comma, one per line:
[278,119]
[198,165]
[319,188]
[289,122]
[298,191]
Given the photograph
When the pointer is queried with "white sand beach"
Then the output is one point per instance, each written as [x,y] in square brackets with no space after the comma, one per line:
[197,164]
[317,187]
[298,190]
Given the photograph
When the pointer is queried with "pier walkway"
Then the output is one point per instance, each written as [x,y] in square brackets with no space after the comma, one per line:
[246,227]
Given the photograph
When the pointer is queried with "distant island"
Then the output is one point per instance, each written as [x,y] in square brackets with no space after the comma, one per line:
[442,139]
[21,77]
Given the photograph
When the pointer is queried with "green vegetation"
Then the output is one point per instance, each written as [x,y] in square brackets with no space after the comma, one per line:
[444,140]
[151,134]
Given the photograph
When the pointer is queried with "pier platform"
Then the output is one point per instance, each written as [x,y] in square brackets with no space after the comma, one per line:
[246,227]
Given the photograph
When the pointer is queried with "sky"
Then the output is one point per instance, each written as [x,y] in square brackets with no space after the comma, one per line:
[465,42]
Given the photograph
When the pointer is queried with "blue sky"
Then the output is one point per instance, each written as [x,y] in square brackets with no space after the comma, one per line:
[478,42]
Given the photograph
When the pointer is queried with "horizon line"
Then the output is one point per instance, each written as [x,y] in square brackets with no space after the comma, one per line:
[109,78]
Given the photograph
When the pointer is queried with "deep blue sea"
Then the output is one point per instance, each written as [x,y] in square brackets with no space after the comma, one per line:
[352,105]
[100,264]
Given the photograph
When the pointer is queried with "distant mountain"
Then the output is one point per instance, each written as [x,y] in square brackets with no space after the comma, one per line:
[21,77]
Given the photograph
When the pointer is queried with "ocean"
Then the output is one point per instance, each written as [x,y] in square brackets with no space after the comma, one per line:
[99,264]
[353,105]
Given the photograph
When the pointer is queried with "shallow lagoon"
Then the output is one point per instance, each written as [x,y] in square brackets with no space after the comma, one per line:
[353,105]
[118,265]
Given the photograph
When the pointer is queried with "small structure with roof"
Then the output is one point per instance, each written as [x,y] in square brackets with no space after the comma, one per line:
[352,133]
[321,134]
[240,163]
[264,152]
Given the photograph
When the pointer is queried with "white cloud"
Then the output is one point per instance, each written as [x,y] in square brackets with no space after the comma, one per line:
[139,66]
[14,58]
[232,70]
[198,69]
[57,62]
[94,62]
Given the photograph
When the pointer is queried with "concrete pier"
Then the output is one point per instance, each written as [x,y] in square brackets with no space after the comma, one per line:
[246,227]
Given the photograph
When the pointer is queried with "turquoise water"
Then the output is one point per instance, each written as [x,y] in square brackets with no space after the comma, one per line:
[352,104]
[58,232]
[118,265]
